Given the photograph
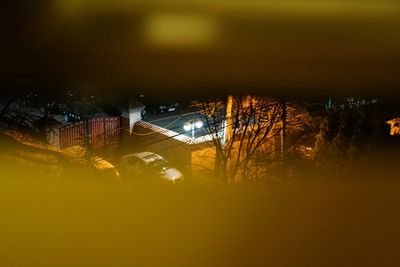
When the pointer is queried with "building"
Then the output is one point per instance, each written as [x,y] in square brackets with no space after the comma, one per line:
[131,114]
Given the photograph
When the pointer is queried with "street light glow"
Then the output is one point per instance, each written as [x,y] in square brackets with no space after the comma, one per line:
[198,124]
[187,126]
[191,126]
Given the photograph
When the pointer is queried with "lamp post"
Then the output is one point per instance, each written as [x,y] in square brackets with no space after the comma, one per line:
[192,125]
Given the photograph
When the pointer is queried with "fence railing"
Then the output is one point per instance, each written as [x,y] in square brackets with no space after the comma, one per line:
[96,133]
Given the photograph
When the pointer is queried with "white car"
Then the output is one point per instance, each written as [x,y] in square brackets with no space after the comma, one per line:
[149,164]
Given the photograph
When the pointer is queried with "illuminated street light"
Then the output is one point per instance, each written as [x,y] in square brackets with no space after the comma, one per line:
[198,124]
[191,126]
[187,126]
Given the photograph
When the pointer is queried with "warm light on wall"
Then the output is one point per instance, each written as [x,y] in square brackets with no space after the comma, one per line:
[394,126]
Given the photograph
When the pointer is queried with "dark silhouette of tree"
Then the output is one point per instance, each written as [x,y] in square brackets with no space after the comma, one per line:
[246,132]
[21,111]
[350,133]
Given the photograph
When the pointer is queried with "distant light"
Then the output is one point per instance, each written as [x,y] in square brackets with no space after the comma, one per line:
[198,124]
[187,126]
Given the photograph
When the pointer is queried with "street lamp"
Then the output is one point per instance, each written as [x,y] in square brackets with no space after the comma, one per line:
[191,125]
[187,126]
[198,124]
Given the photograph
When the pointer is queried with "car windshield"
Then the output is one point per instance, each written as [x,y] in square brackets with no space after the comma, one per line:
[158,165]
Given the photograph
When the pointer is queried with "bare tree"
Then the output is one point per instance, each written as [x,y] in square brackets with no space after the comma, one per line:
[244,131]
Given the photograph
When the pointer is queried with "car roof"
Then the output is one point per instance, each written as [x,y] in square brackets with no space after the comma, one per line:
[147,157]
[101,164]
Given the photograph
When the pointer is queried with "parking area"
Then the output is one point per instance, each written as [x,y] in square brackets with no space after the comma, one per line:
[182,121]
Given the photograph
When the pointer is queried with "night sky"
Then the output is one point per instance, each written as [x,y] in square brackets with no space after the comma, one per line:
[297,47]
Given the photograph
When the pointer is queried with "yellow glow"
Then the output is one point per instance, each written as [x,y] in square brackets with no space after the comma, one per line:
[394,126]
[305,7]
[180,30]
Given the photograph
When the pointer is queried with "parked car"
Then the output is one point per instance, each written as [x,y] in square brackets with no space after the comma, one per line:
[167,108]
[304,151]
[149,165]
[155,105]
[104,169]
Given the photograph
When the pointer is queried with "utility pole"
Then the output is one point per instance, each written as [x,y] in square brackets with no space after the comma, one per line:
[192,128]
[283,129]
[228,119]
[226,135]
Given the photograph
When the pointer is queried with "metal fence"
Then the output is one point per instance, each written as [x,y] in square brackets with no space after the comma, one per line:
[73,135]
[95,133]
[104,132]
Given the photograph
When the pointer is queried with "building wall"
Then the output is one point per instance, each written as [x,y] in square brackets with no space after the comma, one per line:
[134,117]
[53,136]
[203,163]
